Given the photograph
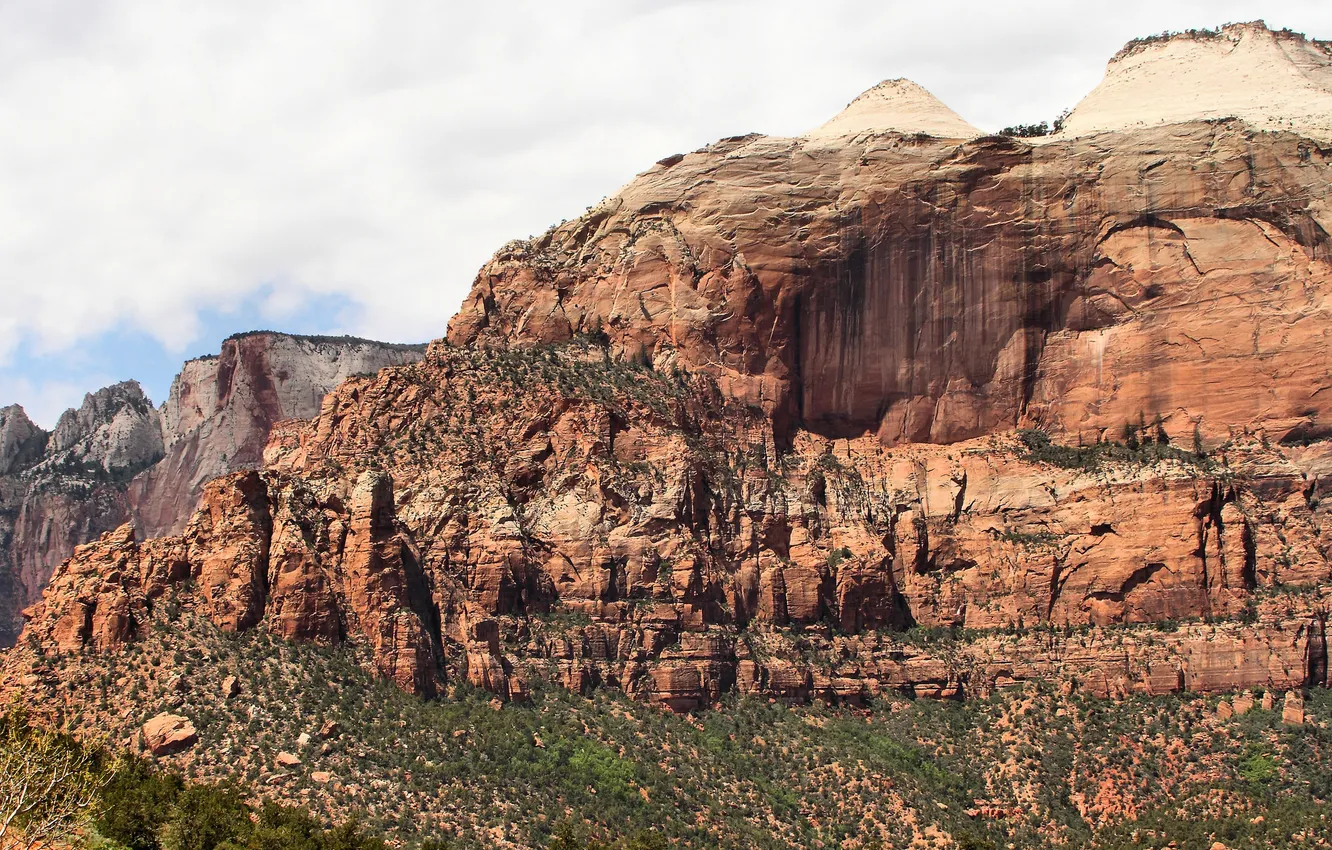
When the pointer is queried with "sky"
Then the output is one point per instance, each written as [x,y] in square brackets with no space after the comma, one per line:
[175,171]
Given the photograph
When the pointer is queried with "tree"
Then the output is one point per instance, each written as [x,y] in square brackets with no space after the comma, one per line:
[135,803]
[205,817]
[49,785]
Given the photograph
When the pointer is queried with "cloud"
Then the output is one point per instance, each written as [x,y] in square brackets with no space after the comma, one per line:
[162,160]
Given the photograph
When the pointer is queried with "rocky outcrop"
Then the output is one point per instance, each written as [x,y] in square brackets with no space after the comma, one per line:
[1272,80]
[450,515]
[21,441]
[167,734]
[928,291]
[67,487]
[895,106]
[117,459]
[114,433]
[220,410]
[822,417]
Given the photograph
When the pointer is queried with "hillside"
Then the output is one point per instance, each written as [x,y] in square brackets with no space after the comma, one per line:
[1029,766]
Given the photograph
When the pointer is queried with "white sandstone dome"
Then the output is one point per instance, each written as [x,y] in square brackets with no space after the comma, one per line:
[1271,80]
[896,106]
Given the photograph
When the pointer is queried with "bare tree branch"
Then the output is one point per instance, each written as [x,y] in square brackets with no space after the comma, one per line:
[49,786]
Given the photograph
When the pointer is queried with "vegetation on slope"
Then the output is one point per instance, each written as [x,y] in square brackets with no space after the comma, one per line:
[1030,767]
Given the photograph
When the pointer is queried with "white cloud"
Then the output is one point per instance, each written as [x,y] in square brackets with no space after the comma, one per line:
[160,158]
[44,401]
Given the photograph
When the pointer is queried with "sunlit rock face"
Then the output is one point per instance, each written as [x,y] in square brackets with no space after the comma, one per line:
[927,290]
[220,410]
[1272,80]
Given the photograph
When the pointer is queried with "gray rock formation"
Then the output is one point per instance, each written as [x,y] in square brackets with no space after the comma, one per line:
[67,487]
[217,417]
[21,441]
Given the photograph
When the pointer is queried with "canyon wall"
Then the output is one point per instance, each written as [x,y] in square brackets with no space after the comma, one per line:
[552,512]
[929,291]
[66,487]
[220,410]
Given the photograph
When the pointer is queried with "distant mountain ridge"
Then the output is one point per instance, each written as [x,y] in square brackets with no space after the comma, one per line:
[116,458]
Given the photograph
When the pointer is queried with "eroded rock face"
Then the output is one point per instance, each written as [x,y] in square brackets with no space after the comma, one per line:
[64,488]
[21,441]
[929,291]
[117,459]
[167,734]
[115,431]
[1274,80]
[452,515]
[221,409]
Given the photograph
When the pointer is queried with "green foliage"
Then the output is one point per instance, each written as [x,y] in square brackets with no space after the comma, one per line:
[203,818]
[1140,447]
[318,339]
[145,809]
[1257,766]
[1030,539]
[136,802]
[1026,131]
[836,556]
[599,768]
[603,772]
[1032,131]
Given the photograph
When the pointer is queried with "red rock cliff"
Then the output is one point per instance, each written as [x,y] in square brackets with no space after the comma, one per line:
[220,410]
[930,291]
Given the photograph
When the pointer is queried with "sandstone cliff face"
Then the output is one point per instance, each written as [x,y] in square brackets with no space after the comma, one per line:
[116,458]
[783,401]
[453,515]
[929,291]
[1277,81]
[220,410]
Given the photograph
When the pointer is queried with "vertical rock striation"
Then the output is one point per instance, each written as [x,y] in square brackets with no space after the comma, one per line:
[220,411]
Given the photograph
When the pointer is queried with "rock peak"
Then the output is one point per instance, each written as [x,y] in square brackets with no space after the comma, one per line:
[21,441]
[1271,79]
[897,106]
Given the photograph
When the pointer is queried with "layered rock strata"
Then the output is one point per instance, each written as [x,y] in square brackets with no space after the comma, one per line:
[66,487]
[1273,80]
[928,291]
[220,409]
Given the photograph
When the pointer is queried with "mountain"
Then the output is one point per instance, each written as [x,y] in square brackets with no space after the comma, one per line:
[67,487]
[891,410]
[117,459]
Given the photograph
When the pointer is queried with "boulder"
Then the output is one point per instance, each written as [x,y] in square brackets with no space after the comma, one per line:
[286,759]
[167,734]
[1292,710]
